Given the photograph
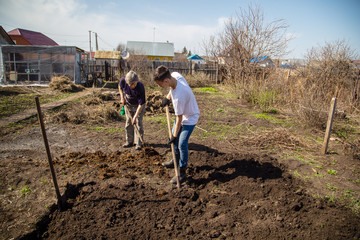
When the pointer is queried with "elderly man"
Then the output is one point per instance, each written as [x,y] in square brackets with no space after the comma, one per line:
[132,95]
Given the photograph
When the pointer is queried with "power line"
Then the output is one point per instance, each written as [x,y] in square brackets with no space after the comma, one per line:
[112,46]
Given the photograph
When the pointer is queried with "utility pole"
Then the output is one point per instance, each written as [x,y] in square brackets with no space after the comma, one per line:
[154,35]
[96,42]
[90,41]
[90,59]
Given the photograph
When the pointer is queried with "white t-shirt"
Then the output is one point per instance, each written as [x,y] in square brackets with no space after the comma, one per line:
[184,101]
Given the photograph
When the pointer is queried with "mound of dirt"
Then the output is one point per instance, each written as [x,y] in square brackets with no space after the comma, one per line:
[78,114]
[227,196]
[64,84]
[153,104]
[147,161]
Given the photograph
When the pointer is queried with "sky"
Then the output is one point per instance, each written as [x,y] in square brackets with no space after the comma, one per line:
[312,23]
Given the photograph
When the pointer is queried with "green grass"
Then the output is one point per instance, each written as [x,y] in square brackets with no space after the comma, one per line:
[268,118]
[14,104]
[115,130]
[159,119]
[332,172]
[331,188]
[205,89]
[24,191]
[98,129]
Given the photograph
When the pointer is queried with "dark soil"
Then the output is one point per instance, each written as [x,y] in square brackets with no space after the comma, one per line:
[234,190]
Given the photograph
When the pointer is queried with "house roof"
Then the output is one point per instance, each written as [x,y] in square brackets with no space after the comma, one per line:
[34,38]
[195,57]
[151,48]
[6,37]
[259,59]
[107,55]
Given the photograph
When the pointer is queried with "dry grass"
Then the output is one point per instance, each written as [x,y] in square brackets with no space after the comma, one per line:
[64,84]
[278,137]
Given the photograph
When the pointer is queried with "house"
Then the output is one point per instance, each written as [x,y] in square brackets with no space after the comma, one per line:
[196,59]
[27,37]
[264,61]
[106,64]
[5,39]
[153,51]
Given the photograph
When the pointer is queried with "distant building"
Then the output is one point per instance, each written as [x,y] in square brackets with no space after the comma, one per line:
[196,59]
[264,61]
[27,37]
[153,51]
[292,63]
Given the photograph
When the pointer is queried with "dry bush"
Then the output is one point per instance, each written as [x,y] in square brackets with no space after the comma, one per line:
[198,79]
[64,84]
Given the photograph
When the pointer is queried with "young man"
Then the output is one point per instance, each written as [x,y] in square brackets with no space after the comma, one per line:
[132,95]
[186,111]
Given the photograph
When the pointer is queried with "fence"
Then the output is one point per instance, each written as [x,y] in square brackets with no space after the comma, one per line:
[107,70]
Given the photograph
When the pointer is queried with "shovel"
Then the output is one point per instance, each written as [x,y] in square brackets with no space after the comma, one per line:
[136,128]
[172,148]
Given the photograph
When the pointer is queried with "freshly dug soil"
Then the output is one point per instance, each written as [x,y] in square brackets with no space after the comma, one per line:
[227,196]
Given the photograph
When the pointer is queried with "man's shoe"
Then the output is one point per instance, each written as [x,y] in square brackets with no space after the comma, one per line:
[128,145]
[138,147]
[170,164]
[182,176]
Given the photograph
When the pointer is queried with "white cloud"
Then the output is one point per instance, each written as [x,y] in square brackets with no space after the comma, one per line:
[68,22]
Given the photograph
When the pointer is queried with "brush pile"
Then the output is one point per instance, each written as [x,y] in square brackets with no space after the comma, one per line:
[64,84]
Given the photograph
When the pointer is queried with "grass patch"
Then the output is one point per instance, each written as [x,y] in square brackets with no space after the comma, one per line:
[98,129]
[206,89]
[115,130]
[14,104]
[332,172]
[159,119]
[24,191]
[268,118]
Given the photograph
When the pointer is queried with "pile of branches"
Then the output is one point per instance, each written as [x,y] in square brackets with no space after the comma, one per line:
[64,84]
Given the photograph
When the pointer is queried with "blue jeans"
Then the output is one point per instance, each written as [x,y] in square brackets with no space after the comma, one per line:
[181,143]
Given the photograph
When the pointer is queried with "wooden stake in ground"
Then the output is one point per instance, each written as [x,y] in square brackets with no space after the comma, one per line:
[60,203]
[172,148]
[329,125]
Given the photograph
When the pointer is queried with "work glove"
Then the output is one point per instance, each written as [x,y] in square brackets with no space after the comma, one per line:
[172,140]
[165,102]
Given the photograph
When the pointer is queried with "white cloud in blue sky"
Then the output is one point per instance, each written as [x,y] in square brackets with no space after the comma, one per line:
[184,23]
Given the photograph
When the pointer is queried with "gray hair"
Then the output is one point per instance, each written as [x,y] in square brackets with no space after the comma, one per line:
[131,77]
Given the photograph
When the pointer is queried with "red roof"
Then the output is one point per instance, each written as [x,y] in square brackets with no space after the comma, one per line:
[34,38]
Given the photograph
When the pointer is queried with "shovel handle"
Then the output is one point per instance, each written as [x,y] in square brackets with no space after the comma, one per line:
[172,148]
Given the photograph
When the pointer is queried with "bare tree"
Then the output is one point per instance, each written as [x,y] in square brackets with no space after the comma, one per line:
[330,72]
[121,47]
[244,37]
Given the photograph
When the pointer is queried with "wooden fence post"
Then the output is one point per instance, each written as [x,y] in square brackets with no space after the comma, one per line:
[329,125]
